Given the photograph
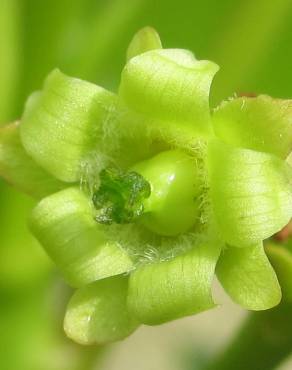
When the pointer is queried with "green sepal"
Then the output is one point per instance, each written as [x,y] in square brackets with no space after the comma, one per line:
[168,290]
[261,123]
[98,314]
[144,40]
[19,170]
[248,277]
[64,224]
[171,89]
[63,124]
[251,193]
[281,260]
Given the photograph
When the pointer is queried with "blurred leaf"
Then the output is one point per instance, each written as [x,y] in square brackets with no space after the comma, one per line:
[244,43]
[9,60]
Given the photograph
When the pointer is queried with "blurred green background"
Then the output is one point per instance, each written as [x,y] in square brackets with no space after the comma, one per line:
[250,40]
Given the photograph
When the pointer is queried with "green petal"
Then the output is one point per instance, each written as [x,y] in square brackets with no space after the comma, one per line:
[260,123]
[170,87]
[175,288]
[64,224]
[98,314]
[63,124]
[281,260]
[251,193]
[144,40]
[248,277]
[17,168]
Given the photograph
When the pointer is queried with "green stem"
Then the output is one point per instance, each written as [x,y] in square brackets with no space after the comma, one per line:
[264,340]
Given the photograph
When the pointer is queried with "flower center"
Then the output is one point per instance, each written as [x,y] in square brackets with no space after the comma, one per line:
[161,192]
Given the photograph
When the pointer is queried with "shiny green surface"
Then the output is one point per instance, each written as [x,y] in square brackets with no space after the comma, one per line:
[172,207]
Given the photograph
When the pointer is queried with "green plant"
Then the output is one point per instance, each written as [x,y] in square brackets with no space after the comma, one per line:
[145,193]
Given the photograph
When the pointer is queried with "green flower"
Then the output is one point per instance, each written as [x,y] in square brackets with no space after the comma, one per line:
[145,193]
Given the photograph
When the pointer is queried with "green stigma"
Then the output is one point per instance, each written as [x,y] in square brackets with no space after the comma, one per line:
[119,198]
